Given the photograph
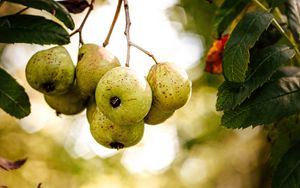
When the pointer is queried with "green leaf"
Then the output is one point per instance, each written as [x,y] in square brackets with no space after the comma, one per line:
[31,29]
[50,6]
[287,174]
[293,16]
[275,3]
[13,98]
[228,11]
[236,53]
[263,64]
[271,102]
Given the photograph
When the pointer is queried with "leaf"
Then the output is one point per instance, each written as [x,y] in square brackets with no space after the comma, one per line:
[13,98]
[293,16]
[270,36]
[271,102]
[75,6]
[243,37]
[228,11]
[263,64]
[50,6]
[287,175]
[11,165]
[275,3]
[31,29]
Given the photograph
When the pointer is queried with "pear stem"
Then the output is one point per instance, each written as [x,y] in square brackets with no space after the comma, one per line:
[79,30]
[127,34]
[105,43]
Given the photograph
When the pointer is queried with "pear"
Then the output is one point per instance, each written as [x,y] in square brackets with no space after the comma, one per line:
[156,116]
[112,135]
[70,103]
[93,62]
[51,71]
[170,86]
[123,96]
[91,109]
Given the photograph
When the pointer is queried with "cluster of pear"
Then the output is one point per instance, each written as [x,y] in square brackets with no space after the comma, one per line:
[119,101]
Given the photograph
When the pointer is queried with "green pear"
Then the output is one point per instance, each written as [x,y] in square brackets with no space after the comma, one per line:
[170,86]
[93,62]
[156,116]
[51,71]
[123,96]
[91,109]
[112,135]
[70,103]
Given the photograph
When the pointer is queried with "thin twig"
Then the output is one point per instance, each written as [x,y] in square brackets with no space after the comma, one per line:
[127,31]
[105,43]
[22,10]
[79,30]
[279,28]
[127,34]
[145,51]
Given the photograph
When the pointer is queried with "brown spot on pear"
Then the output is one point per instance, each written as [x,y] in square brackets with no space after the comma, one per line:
[156,116]
[51,71]
[93,62]
[123,96]
[170,86]
[70,103]
[112,135]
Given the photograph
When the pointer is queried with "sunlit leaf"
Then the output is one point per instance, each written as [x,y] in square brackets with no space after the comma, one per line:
[293,16]
[228,11]
[11,165]
[271,102]
[52,7]
[287,174]
[13,98]
[263,64]
[31,29]
[243,37]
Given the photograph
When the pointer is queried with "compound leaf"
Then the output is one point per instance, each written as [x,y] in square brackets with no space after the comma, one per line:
[236,53]
[31,29]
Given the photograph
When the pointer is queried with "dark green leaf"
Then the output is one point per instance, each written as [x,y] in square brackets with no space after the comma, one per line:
[75,6]
[271,102]
[243,37]
[31,29]
[293,16]
[52,7]
[270,36]
[287,174]
[13,98]
[275,3]
[228,11]
[263,64]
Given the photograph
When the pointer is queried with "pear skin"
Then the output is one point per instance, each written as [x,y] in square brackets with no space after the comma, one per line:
[170,86]
[112,135]
[123,96]
[93,62]
[51,71]
[70,103]
[156,116]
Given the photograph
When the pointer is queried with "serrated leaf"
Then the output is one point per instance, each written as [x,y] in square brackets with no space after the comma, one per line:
[271,102]
[293,16]
[31,29]
[236,53]
[13,98]
[228,11]
[50,6]
[287,174]
[263,64]
[275,3]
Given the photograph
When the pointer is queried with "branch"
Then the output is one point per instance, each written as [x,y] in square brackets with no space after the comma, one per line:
[105,43]
[127,34]
[79,30]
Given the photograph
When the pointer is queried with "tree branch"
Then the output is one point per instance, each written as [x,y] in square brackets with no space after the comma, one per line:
[105,43]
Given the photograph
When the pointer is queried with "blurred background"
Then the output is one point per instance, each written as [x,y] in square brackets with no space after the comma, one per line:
[190,149]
